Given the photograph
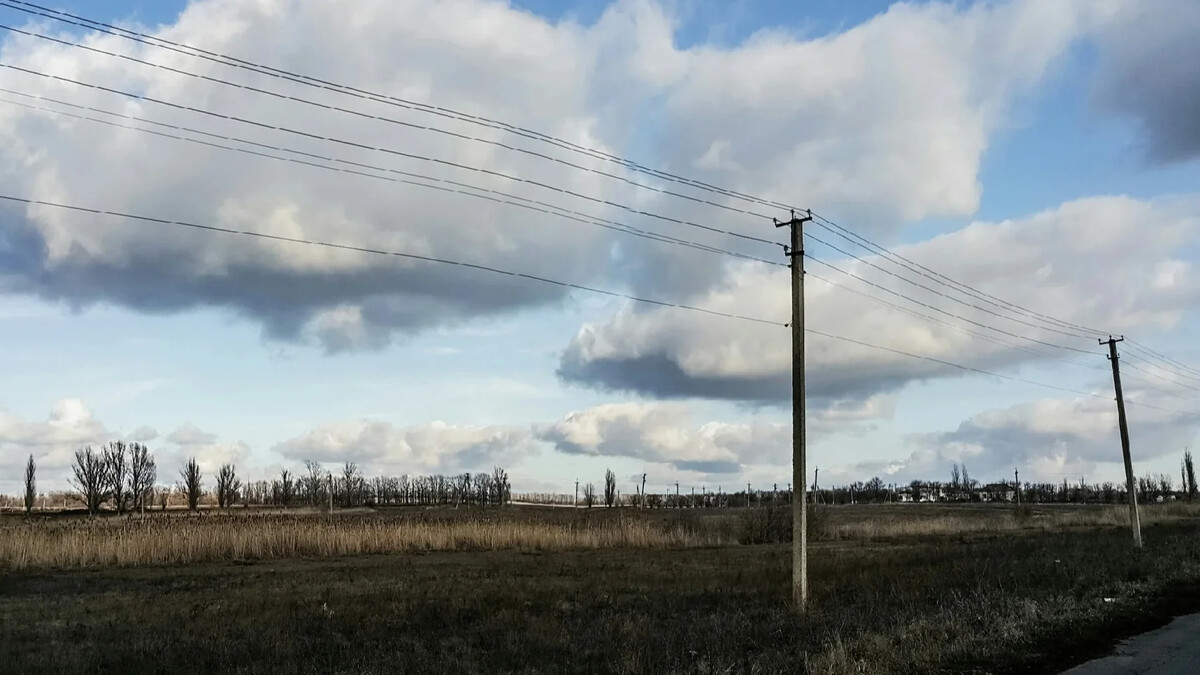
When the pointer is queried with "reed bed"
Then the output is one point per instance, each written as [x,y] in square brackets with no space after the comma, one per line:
[172,541]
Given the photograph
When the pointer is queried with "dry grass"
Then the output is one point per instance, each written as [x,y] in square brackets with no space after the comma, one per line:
[174,540]
[902,521]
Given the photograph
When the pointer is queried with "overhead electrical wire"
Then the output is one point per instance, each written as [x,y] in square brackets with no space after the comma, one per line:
[939,310]
[242,64]
[502,197]
[448,113]
[883,252]
[943,295]
[264,70]
[1155,375]
[914,266]
[391,151]
[537,278]
[398,254]
[1162,361]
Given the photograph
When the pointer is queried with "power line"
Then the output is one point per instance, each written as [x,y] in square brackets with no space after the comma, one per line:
[1171,364]
[229,61]
[399,254]
[531,277]
[390,151]
[504,197]
[1154,374]
[936,277]
[940,310]
[448,113]
[948,297]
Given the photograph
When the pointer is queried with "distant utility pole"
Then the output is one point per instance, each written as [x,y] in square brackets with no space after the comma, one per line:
[795,252]
[747,494]
[643,491]
[576,502]
[692,502]
[1017,485]
[330,493]
[677,504]
[1134,521]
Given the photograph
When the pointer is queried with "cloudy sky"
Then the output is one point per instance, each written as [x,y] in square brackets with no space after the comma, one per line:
[1003,183]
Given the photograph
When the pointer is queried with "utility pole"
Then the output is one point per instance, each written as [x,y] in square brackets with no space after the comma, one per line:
[747,495]
[677,504]
[1134,521]
[576,502]
[1017,485]
[330,494]
[795,252]
[643,491]
[692,501]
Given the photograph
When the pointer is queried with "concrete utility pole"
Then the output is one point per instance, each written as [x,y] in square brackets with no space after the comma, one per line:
[747,494]
[1017,485]
[643,491]
[576,502]
[1134,521]
[795,252]
[331,493]
[677,504]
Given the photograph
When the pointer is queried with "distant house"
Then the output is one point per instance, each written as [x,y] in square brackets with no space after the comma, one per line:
[996,492]
[904,494]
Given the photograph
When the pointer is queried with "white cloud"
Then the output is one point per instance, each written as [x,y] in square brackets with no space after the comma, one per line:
[665,434]
[1094,262]
[379,447]
[904,104]
[52,443]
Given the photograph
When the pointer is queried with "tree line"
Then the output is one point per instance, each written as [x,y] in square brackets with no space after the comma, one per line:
[123,477]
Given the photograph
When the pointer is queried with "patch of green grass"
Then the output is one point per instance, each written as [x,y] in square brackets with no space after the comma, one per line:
[1011,603]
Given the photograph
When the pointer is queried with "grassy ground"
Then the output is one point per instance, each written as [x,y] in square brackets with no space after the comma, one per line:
[1020,601]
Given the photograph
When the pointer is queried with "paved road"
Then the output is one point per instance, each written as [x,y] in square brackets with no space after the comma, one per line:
[1173,649]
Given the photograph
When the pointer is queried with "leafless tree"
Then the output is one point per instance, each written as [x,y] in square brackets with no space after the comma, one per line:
[1190,472]
[501,486]
[190,487]
[30,484]
[142,474]
[313,485]
[90,478]
[350,484]
[589,495]
[228,486]
[286,488]
[116,457]
[610,488]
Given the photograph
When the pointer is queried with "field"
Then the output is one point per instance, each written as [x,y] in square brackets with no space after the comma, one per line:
[904,589]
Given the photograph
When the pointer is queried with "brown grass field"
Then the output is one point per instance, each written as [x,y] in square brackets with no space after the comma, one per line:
[896,589]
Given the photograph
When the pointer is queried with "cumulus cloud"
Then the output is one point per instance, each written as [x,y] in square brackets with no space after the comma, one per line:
[191,442]
[52,442]
[1149,72]
[1047,262]
[665,434]
[1047,440]
[904,103]
[380,447]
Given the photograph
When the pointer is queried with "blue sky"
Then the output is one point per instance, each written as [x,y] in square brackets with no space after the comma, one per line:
[1036,140]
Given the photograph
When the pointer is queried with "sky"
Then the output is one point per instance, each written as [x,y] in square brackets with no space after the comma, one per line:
[1036,165]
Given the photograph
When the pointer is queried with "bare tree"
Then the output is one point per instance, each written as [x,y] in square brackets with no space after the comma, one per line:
[350,484]
[285,488]
[142,474]
[228,486]
[1190,473]
[190,487]
[610,488]
[313,485]
[90,478]
[116,457]
[589,495]
[501,486]
[955,478]
[30,484]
